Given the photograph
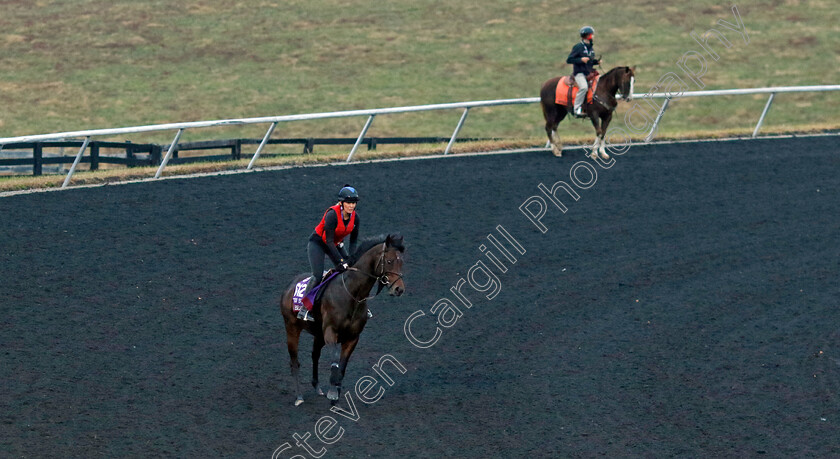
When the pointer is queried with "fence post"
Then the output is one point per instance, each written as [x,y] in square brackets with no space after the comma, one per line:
[236,150]
[764,113]
[657,120]
[154,155]
[262,145]
[76,162]
[37,158]
[166,158]
[129,155]
[457,130]
[361,137]
[94,156]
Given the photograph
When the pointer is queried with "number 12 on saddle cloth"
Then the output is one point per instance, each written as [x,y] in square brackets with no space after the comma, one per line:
[297,297]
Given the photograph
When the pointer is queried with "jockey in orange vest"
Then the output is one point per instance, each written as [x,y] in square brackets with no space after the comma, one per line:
[338,222]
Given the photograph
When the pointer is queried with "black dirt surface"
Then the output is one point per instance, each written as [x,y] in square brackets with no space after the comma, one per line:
[685,305]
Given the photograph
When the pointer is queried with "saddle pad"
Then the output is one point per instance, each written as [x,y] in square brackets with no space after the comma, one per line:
[298,299]
[567,90]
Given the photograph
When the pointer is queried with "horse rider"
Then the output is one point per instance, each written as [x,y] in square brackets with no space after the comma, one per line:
[583,58]
[338,222]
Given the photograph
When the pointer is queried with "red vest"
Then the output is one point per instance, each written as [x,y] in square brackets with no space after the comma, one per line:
[341,231]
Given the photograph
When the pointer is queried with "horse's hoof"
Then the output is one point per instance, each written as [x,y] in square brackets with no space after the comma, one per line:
[332,394]
[319,391]
[299,401]
[557,153]
[593,156]
[604,155]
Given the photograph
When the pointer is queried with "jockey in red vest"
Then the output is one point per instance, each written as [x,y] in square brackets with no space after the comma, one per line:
[338,222]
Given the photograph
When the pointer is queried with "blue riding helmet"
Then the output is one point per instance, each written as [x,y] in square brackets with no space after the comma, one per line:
[586,30]
[348,194]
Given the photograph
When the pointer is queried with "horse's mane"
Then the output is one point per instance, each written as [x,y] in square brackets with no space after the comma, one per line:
[369,242]
[613,76]
[612,70]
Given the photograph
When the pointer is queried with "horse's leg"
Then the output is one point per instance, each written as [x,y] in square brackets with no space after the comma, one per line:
[605,123]
[556,143]
[548,123]
[337,371]
[550,114]
[316,356]
[334,352]
[292,340]
[596,124]
[346,350]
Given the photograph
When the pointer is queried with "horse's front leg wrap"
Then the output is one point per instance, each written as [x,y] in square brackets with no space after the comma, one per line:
[335,356]
[335,375]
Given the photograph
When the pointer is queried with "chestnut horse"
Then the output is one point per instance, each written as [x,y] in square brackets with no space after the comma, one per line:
[343,309]
[599,111]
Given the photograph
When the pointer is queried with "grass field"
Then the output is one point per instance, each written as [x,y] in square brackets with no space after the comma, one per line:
[81,64]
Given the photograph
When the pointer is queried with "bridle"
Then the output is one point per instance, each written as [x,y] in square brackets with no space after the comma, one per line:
[381,279]
[605,104]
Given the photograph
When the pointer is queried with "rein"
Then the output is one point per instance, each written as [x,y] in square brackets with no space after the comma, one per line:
[604,104]
[600,100]
[382,279]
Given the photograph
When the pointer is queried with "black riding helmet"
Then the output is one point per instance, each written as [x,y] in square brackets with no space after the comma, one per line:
[586,30]
[348,194]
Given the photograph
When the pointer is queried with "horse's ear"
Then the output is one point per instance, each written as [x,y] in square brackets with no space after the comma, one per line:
[633,69]
[394,240]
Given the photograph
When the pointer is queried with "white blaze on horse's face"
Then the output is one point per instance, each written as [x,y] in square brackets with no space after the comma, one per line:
[629,96]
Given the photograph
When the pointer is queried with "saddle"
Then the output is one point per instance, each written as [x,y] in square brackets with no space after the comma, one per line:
[567,89]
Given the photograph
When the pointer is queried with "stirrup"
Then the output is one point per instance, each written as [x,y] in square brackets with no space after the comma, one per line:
[305,315]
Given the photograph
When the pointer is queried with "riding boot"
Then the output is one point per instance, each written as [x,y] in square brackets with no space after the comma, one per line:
[304,313]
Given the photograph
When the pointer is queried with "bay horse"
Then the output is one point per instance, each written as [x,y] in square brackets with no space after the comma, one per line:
[343,309]
[599,111]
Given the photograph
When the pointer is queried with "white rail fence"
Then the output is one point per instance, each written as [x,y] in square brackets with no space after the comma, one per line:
[273,121]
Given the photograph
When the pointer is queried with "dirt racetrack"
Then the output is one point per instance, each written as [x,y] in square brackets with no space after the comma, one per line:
[686,304]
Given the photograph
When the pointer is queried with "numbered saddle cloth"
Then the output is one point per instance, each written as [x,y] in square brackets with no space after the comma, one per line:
[314,295]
